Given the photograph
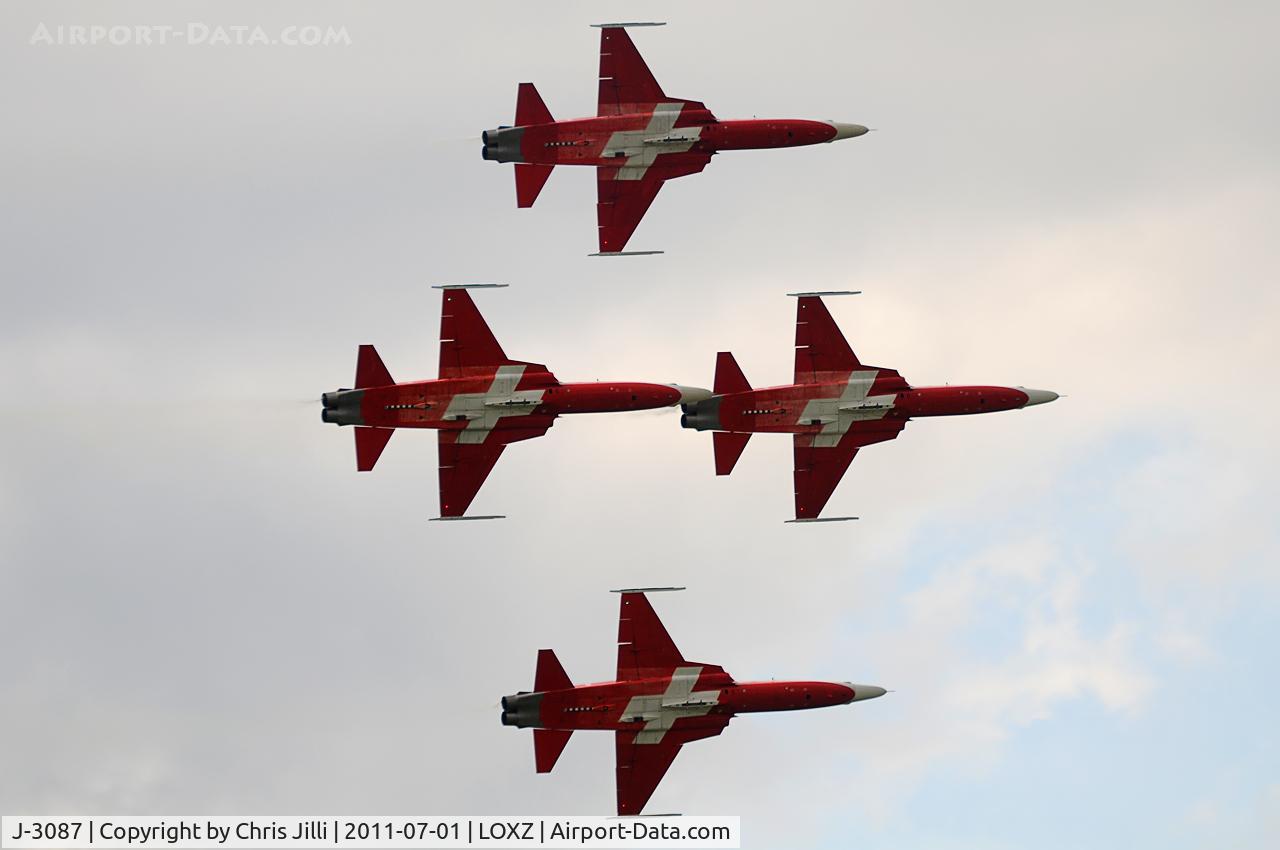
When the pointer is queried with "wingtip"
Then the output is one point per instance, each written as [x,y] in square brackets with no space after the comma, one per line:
[462,518]
[822,519]
[622,24]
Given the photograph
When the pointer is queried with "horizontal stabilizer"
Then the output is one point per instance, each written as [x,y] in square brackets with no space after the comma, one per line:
[370,372]
[728,448]
[529,107]
[369,445]
[548,744]
[550,676]
[530,178]
[729,377]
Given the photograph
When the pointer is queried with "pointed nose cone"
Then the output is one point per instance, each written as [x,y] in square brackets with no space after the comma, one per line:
[846,131]
[861,692]
[690,395]
[1038,396]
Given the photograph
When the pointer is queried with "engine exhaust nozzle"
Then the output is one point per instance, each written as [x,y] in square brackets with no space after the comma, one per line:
[702,415]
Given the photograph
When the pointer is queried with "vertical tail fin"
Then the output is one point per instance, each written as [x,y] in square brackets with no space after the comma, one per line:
[530,178]
[550,676]
[529,107]
[729,377]
[728,447]
[548,744]
[370,371]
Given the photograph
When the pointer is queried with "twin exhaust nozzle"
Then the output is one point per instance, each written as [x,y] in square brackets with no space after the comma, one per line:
[522,710]
[342,407]
[502,144]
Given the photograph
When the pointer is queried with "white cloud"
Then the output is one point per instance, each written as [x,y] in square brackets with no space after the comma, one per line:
[961,694]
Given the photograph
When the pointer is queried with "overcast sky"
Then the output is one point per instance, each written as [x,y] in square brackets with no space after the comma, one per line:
[207,610]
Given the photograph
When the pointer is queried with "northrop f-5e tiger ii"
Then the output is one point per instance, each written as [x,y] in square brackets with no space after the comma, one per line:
[482,402]
[639,138]
[836,406]
[659,702]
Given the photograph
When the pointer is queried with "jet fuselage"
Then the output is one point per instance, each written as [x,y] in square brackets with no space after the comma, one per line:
[805,408]
[494,401]
[655,703]
[615,139]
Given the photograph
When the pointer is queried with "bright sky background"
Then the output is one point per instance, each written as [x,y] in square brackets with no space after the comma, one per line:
[207,610]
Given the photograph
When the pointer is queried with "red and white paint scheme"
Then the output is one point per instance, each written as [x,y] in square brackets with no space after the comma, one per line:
[482,402]
[836,406]
[659,703]
[639,138]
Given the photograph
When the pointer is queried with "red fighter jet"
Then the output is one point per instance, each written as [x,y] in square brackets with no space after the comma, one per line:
[659,703]
[836,406]
[482,402]
[639,138]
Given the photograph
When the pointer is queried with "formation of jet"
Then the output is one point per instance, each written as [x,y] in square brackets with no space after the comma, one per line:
[482,402]
[836,405]
[659,702]
[639,138]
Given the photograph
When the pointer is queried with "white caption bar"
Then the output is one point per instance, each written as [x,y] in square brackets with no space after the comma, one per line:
[202,833]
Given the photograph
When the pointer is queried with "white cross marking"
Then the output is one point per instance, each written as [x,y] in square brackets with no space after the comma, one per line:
[483,410]
[660,711]
[642,147]
[838,413]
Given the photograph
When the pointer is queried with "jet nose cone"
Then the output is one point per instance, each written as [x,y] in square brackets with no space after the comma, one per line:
[861,692]
[846,131]
[1038,396]
[690,395]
